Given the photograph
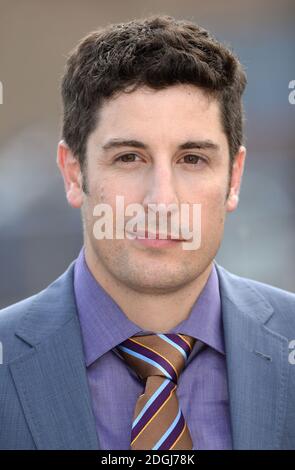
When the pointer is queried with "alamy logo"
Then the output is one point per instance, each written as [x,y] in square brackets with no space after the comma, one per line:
[1,353]
[142,224]
[292,353]
[292,93]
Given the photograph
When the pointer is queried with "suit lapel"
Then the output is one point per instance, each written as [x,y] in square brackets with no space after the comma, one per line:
[257,365]
[51,377]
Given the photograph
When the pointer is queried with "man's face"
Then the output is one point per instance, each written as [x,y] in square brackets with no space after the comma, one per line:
[162,172]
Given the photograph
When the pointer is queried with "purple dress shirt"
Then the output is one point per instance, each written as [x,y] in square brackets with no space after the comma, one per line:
[202,387]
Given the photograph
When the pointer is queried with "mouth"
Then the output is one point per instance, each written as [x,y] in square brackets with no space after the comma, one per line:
[154,236]
[154,240]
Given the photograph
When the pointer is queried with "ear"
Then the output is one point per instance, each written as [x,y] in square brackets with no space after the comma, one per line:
[69,167]
[236,179]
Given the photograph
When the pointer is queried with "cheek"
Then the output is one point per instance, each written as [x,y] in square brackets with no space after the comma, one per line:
[101,191]
[213,206]
[107,189]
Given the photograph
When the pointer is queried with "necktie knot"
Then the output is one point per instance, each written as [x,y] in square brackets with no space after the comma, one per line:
[157,354]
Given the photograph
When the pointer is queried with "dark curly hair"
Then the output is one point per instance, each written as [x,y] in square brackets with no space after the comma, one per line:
[157,51]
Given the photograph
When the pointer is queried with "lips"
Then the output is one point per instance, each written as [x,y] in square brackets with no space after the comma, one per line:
[154,236]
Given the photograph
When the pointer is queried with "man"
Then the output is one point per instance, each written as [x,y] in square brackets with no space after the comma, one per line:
[153,114]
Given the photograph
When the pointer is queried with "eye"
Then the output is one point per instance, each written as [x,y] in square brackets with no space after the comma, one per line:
[127,158]
[194,160]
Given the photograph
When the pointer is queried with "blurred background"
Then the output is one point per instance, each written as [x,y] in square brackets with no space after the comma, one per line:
[40,234]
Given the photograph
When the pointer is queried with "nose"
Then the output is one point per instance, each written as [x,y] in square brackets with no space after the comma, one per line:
[161,186]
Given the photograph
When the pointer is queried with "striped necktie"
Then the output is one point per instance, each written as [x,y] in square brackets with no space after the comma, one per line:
[158,422]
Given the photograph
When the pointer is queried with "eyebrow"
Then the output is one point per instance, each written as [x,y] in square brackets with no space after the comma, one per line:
[189,144]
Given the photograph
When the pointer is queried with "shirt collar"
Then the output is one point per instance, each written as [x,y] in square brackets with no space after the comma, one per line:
[104,325]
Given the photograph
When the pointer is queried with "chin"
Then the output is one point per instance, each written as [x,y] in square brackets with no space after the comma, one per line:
[146,279]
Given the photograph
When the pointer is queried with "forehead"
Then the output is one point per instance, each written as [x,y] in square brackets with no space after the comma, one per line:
[175,112]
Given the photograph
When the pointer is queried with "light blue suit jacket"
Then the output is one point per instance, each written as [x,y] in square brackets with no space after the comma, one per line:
[45,401]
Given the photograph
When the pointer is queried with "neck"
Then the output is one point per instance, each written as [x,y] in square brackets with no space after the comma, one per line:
[152,312]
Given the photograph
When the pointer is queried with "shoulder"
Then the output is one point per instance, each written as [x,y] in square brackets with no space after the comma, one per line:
[12,315]
[283,304]
[275,294]
[270,292]
[37,315]
[246,291]
[10,319]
